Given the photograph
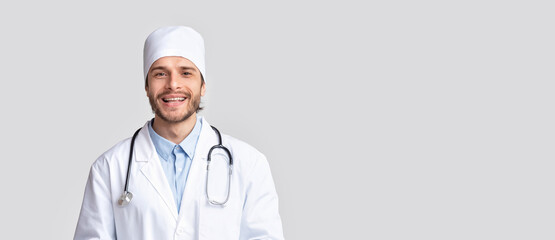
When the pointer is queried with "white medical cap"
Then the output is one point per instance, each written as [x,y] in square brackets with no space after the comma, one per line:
[174,41]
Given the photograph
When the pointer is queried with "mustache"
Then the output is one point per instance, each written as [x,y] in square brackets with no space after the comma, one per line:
[160,95]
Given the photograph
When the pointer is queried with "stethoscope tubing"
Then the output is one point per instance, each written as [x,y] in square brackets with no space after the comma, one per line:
[125,190]
[230,166]
[127,196]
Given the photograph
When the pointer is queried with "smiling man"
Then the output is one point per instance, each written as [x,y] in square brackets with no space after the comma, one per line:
[178,177]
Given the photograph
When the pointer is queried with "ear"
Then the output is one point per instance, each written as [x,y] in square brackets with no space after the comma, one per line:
[202,89]
[146,86]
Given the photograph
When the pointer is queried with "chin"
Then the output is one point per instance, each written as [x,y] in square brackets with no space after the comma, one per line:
[175,118]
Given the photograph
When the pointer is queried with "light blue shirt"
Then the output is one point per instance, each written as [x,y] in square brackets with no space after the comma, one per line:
[176,159]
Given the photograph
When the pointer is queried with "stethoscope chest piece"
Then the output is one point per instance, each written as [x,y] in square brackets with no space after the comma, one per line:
[125,198]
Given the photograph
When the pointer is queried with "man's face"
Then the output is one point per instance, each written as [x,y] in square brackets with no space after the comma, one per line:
[174,88]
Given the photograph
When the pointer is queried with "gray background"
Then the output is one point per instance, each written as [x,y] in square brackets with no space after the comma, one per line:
[380,119]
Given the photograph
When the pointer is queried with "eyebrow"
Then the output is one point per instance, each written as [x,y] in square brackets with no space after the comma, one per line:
[188,68]
[182,68]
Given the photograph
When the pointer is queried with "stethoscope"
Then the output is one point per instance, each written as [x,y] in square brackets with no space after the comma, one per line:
[127,196]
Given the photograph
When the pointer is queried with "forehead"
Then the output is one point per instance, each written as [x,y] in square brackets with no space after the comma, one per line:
[173,62]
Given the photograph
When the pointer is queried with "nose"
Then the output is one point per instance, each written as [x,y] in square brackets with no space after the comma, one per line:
[173,82]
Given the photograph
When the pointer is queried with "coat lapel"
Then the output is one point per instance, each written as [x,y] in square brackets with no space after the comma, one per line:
[197,174]
[152,170]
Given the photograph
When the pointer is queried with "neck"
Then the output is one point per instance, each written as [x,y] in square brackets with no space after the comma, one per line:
[174,132]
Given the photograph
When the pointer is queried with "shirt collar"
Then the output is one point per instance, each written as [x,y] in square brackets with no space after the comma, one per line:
[165,147]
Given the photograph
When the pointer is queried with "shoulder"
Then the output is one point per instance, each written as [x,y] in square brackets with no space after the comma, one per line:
[235,146]
[241,148]
[116,155]
[246,158]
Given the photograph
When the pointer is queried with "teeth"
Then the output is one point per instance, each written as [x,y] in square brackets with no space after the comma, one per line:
[174,99]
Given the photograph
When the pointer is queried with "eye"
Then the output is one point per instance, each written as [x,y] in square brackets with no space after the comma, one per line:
[187,73]
[159,74]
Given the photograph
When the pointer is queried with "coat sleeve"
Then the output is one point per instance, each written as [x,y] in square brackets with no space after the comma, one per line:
[261,218]
[96,220]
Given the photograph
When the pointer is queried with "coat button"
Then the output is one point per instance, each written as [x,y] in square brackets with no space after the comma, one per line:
[180,231]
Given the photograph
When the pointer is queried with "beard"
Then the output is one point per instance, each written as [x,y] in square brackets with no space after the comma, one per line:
[175,116]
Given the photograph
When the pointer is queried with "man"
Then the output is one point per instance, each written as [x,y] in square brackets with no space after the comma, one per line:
[168,194]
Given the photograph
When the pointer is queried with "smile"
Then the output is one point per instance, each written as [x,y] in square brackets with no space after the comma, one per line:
[176,99]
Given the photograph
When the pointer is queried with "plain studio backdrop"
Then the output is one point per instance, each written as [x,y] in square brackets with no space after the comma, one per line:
[380,119]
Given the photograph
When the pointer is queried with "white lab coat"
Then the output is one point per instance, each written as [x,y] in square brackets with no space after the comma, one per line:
[250,213]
